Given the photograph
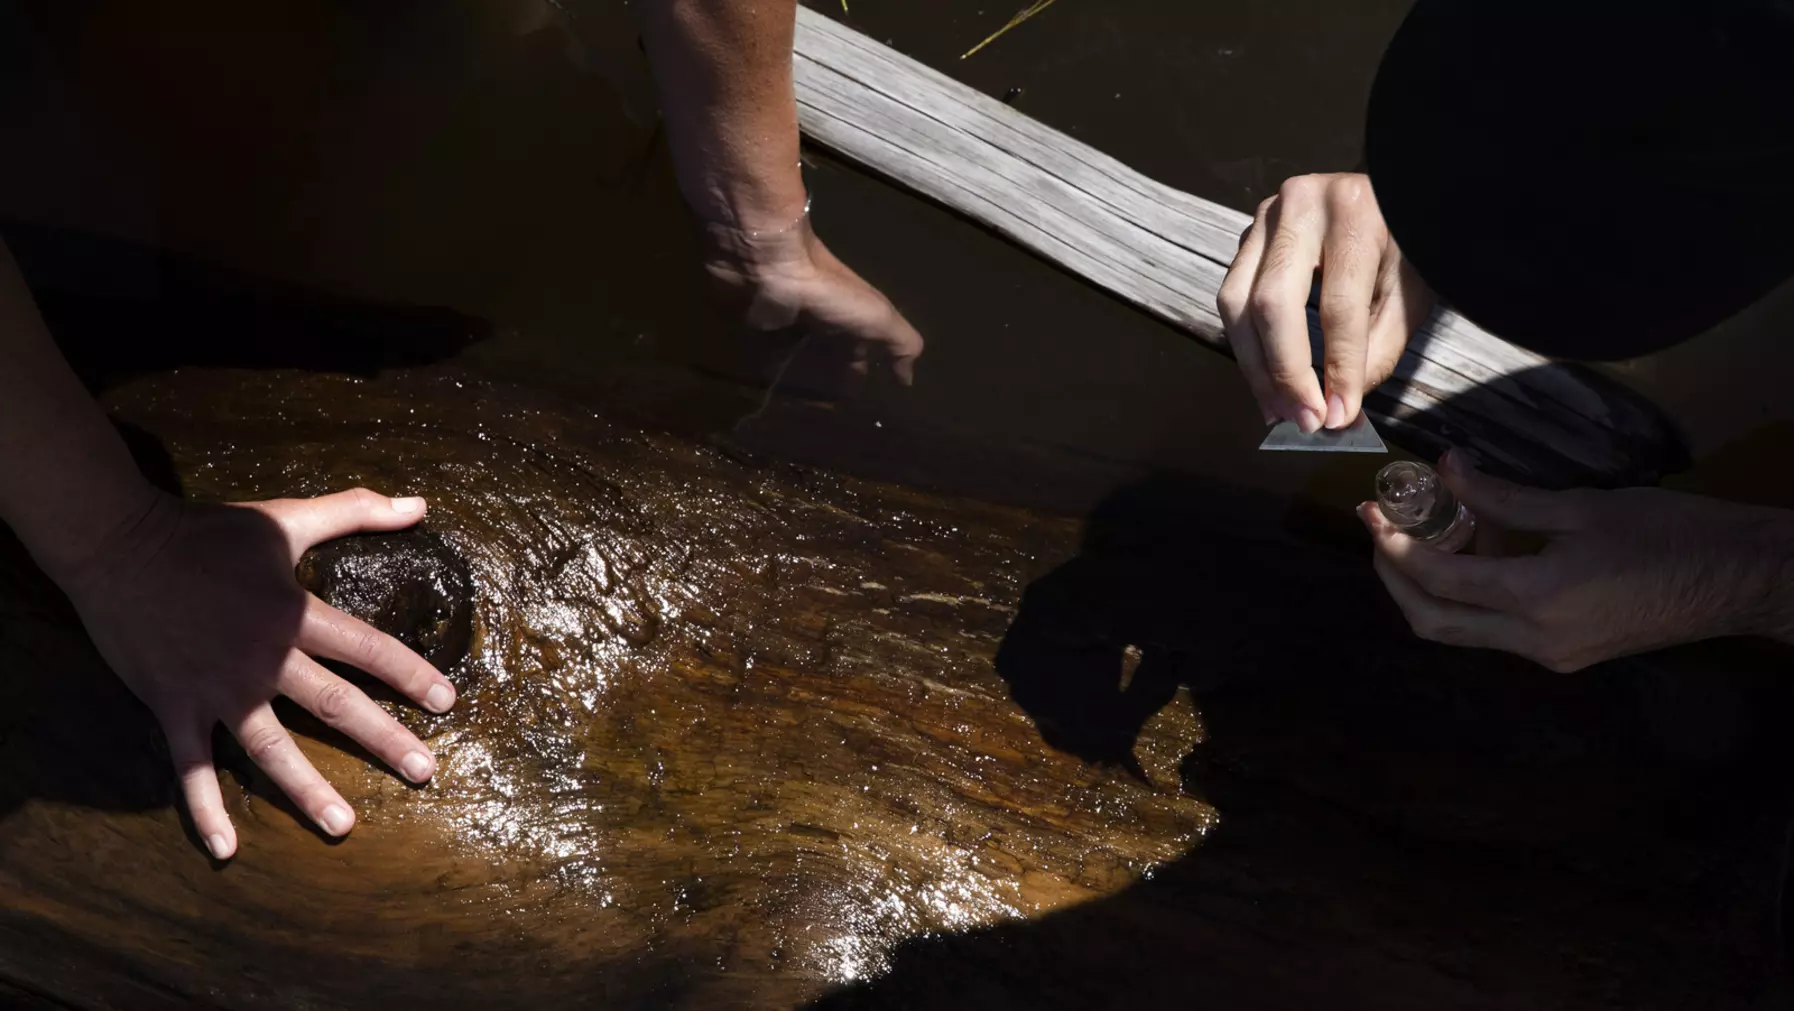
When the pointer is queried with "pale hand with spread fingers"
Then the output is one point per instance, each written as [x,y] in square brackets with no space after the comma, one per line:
[1620,573]
[197,610]
[1371,300]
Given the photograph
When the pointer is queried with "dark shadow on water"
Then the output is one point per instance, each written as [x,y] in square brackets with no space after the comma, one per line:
[119,309]
[1402,825]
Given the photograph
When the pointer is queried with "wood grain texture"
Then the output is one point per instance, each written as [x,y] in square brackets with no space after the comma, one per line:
[1167,251]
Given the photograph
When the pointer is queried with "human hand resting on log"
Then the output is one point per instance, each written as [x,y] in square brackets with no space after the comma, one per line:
[195,606]
[1621,572]
[1371,300]
[723,70]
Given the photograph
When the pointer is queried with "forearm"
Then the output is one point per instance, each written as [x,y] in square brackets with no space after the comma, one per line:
[1767,551]
[66,479]
[723,68]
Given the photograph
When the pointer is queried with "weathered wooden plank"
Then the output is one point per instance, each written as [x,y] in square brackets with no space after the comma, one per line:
[1167,252]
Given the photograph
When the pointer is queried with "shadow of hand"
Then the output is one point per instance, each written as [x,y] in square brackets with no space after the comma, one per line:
[1070,664]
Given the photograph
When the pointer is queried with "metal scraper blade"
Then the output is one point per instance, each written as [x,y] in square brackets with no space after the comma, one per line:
[1358,437]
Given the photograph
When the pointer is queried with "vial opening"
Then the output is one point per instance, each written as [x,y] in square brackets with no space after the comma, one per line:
[1409,493]
[1415,500]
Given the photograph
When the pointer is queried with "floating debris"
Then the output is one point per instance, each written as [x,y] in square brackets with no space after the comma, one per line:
[1035,8]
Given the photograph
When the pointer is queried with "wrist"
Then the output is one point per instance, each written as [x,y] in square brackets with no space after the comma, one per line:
[752,244]
[83,550]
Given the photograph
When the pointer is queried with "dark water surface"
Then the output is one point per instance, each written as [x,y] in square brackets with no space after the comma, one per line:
[740,733]
[414,154]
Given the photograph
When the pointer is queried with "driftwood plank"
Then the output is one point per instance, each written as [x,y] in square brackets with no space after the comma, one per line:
[1166,252]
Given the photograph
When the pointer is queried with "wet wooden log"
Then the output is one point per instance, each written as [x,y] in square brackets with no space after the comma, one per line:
[733,735]
[1167,252]
[727,734]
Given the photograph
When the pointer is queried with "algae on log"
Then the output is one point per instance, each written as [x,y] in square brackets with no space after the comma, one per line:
[745,736]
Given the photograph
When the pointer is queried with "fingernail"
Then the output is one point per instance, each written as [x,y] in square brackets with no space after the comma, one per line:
[441,697]
[220,849]
[417,766]
[1271,417]
[336,819]
[1336,413]
[1308,421]
[407,505]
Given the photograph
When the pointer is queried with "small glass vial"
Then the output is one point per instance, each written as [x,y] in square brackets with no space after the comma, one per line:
[1413,498]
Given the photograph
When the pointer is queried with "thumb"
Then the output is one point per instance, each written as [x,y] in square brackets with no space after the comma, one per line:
[1508,505]
[312,521]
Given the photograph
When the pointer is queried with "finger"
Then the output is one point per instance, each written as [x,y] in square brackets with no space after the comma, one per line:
[344,707]
[272,749]
[315,520]
[1279,300]
[904,369]
[333,635]
[1497,584]
[190,745]
[859,360]
[1351,256]
[1451,623]
[1402,304]
[1508,505]
[903,349]
[1236,318]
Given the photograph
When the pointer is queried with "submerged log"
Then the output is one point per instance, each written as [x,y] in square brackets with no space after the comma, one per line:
[744,736]
[1167,252]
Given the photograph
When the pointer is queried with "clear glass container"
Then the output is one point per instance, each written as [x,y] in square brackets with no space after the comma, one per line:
[1412,497]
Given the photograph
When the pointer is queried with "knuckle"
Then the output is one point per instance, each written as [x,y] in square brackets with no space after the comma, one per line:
[366,646]
[1450,634]
[1288,374]
[1343,315]
[1299,188]
[1434,628]
[1231,299]
[1265,303]
[263,742]
[1342,374]
[333,704]
[1426,626]
[1348,189]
